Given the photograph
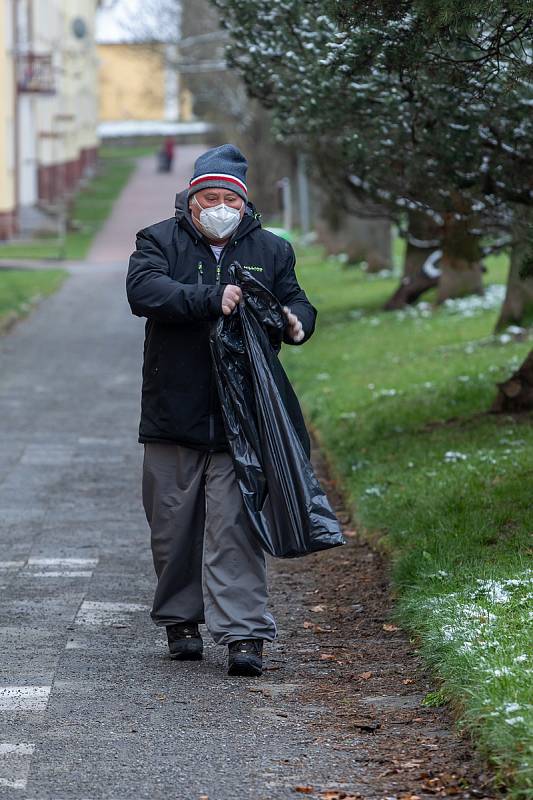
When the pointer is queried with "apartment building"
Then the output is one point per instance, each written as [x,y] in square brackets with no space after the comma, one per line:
[141,86]
[49,113]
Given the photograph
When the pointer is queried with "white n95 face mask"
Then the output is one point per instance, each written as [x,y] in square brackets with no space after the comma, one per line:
[220,221]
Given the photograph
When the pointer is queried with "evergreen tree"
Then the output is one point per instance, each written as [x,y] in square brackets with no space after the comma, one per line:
[406,104]
[422,107]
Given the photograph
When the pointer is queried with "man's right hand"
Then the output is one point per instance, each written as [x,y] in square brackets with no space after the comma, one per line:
[232,295]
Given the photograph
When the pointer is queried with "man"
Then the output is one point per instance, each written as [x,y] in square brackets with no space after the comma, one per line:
[169,152]
[209,565]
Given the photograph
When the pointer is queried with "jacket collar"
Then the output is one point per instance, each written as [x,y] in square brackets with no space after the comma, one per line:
[248,223]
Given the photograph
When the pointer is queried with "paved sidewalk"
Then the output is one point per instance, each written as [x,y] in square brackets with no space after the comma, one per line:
[91,708]
[148,197]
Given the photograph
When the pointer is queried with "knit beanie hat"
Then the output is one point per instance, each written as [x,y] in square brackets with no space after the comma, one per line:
[221,167]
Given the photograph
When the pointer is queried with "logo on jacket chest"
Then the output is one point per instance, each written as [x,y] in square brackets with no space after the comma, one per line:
[252,267]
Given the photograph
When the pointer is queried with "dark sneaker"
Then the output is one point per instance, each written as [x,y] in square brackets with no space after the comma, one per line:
[184,641]
[245,657]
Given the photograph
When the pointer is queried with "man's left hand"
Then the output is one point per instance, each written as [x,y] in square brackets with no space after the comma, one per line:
[296,330]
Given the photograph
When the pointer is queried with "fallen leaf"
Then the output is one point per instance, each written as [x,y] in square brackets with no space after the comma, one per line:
[304,789]
[369,725]
[432,784]
[388,627]
[407,680]
[349,532]
[318,608]
[308,624]
[203,797]
[365,675]
[327,656]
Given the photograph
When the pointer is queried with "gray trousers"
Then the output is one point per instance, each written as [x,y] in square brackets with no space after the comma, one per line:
[209,565]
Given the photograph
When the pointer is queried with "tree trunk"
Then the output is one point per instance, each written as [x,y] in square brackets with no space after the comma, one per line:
[422,239]
[461,266]
[517,308]
[516,393]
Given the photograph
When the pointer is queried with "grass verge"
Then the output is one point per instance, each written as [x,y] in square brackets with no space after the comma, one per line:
[22,289]
[399,403]
[91,207]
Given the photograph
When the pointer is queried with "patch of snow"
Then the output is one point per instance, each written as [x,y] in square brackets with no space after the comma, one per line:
[495,591]
[501,671]
[474,304]
[374,491]
[452,456]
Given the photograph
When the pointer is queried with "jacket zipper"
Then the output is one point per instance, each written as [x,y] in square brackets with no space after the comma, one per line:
[211,381]
[200,280]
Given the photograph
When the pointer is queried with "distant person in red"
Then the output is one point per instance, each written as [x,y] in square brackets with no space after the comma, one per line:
[165,155]
[169,152]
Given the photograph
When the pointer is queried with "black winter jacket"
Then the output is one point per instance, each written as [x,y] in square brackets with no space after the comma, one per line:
[174,281]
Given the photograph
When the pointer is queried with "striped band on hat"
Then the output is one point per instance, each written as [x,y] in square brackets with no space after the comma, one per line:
[222,167]
[218,176]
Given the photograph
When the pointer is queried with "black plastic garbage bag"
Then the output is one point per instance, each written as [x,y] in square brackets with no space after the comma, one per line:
[269,443]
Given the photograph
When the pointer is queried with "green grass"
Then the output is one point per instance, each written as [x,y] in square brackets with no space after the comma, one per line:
[399,402]
[91,208]
[21,289]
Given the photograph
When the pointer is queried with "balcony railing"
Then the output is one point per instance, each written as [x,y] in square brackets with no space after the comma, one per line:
[35,73]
